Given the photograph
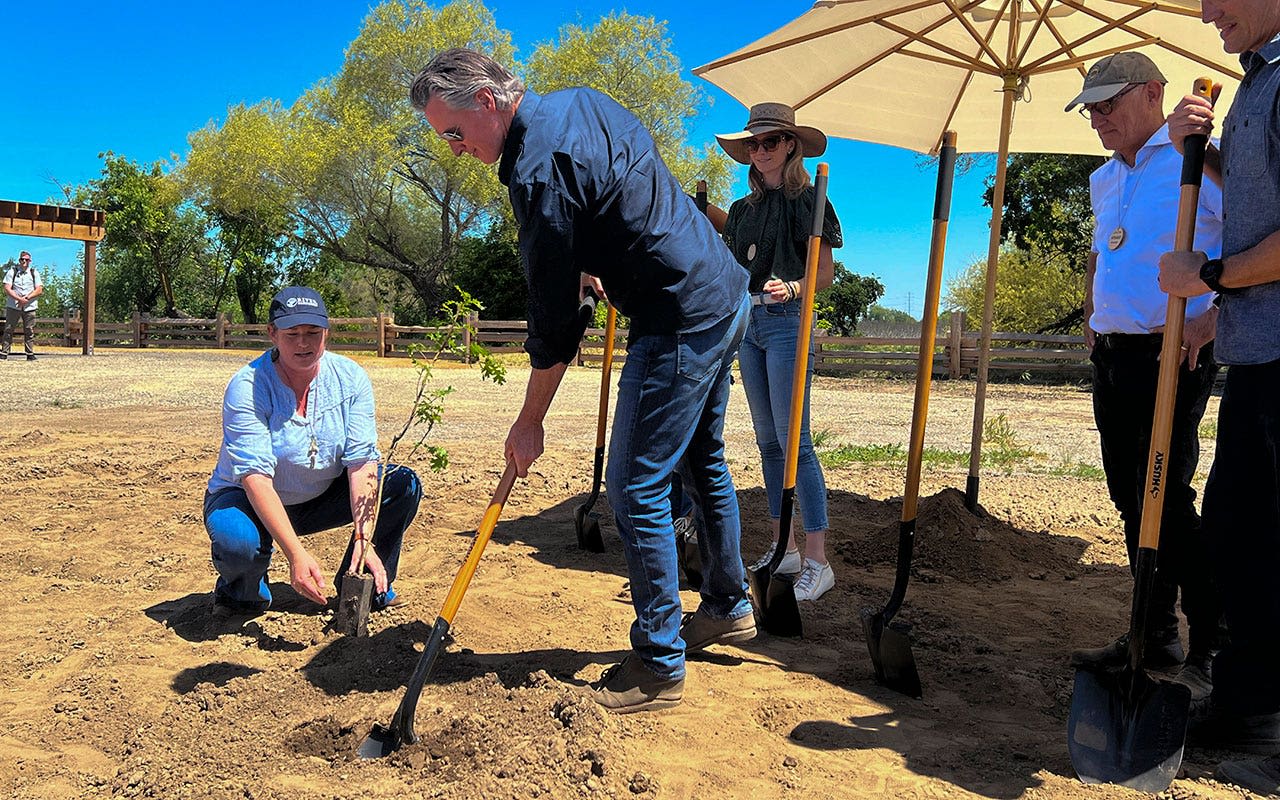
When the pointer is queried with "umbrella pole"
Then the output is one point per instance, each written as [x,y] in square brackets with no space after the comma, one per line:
[993,259]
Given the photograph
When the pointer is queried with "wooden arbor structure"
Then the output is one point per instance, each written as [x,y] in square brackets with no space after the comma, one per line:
[62,222]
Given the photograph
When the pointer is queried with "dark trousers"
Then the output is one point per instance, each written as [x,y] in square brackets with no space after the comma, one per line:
[1125,373]
[1242,519]
[13,318]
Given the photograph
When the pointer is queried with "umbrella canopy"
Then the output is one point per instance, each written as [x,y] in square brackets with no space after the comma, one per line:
[997,72]
[900,73]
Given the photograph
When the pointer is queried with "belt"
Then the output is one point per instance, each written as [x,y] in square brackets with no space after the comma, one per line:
[1130,341]
[764,299]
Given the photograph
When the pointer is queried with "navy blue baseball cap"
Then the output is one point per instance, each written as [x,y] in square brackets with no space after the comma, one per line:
[298,305]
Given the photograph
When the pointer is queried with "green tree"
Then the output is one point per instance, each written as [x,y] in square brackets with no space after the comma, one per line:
[1046,206]
[879,313]
[362,179]
[357,170]
[61,293]
[1033,292]
[147,259]
[846,300]
[490,270]
[629,58]
[248,216]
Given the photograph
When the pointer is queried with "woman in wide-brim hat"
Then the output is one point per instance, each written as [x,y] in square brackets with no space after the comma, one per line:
[768,232]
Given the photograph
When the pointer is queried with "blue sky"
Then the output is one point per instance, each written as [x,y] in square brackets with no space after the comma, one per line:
[137,77]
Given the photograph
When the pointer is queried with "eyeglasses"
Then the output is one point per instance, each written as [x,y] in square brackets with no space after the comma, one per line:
[454,134]
[24,261]
[769,143]
[1105,107]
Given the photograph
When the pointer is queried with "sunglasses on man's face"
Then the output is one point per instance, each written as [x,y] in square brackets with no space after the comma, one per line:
[769,143]
[454,134]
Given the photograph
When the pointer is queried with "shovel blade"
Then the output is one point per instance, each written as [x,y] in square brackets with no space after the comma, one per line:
[776,603]
[1128,729]
[587,525]
[382,741]
[889,642]
[690,562]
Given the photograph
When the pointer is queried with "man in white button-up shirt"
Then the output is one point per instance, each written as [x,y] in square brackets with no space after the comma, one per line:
[1135,202]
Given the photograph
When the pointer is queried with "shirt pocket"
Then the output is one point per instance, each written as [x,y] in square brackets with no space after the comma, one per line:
[1250,155]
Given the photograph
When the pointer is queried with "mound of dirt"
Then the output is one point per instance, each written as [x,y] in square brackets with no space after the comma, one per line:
[483,740]
[954,542]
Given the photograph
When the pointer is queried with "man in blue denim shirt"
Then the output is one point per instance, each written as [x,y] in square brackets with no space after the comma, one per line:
[592,195]
[1241,513]
[299,454]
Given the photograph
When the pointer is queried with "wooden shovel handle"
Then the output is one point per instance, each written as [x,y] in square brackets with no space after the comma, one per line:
[1171,351]
[806,329]
[483,533]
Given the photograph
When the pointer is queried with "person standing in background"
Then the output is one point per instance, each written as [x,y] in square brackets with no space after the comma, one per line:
[22,285]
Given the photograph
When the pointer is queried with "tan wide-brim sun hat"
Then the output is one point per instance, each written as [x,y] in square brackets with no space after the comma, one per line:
[766,118]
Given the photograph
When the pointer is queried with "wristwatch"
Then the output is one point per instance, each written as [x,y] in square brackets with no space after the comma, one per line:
[1211,276]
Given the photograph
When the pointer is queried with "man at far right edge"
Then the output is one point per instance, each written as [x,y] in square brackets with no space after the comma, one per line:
[1241,511]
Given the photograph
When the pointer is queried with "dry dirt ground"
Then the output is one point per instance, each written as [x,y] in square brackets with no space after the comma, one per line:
[119,682]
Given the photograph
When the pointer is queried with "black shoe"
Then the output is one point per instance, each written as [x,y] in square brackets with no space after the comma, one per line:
[1244,733]
[31,357]
[4,356]
[1158,655]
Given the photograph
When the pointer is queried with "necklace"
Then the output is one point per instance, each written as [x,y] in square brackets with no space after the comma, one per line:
[1118,235]
[314,449]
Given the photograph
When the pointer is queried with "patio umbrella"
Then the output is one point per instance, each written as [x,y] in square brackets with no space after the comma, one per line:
[997,72]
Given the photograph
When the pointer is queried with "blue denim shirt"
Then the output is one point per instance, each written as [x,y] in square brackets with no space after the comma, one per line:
[591,194]
[263,433]
[1249,323]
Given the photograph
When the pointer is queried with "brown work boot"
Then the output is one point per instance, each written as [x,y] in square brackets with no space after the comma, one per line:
[631,686]
[1157,655]
[700,630]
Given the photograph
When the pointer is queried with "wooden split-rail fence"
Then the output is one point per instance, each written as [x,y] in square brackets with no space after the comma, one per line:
[955,356]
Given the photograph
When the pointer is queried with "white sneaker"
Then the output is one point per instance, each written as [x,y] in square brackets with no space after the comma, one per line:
[790,561]
[684,527]
[814,581]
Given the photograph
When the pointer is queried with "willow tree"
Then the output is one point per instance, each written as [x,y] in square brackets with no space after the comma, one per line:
[360,176]
[629,58]
[354,169]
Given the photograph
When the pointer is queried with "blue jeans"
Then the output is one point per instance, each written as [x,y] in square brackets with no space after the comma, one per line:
[242,547]
[683,495]
[672,397]
[767,362]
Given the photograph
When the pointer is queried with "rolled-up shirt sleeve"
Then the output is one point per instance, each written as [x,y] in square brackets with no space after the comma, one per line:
[361,445]
[245,428]
[552,272]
